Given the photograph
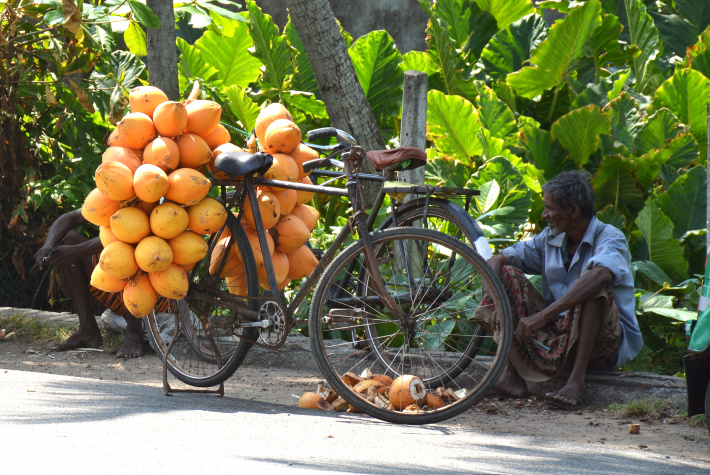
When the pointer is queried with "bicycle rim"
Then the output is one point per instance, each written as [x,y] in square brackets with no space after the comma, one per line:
[436,281]
[209,346]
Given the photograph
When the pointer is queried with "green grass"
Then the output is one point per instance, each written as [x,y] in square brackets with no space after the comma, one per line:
[645,408]
[37,331]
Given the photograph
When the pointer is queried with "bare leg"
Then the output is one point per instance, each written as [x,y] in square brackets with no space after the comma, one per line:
[590,321]
[133,344]
[511,384]
[76,279]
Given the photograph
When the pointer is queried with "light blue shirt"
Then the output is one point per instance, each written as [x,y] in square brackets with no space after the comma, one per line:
[602,245]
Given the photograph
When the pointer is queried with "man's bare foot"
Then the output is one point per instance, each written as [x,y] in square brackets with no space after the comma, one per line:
[511,384]
[569,397]
[132,347]
[80,339]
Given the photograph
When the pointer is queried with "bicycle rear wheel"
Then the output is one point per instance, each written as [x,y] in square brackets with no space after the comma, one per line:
[436,280]
[209,344]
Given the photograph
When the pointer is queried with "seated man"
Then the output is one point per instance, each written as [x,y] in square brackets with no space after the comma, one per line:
[75,257]
[585,316]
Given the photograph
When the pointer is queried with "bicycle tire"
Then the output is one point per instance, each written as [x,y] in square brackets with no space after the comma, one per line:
[209,348]
[414,263]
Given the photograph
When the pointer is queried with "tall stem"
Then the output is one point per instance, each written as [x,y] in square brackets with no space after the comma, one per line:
[554,102]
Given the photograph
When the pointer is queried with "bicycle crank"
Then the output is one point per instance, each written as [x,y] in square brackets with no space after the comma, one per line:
[273,325]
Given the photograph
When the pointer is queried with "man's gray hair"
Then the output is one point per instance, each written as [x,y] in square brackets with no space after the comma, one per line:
[572,188]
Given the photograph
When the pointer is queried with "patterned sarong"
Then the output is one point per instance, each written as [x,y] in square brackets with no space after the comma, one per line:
[531,360]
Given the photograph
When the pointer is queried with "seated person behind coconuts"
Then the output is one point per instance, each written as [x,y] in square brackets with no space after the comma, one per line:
[76,256]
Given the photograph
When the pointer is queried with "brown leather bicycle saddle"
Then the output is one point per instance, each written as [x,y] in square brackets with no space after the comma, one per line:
[243,163]
[382,159]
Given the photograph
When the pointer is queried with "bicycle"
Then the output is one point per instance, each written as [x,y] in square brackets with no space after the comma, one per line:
[407,292]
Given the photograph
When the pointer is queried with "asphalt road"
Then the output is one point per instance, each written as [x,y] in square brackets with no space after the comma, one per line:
[61,424]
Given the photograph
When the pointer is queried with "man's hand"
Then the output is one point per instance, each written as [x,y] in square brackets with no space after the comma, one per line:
[527,326]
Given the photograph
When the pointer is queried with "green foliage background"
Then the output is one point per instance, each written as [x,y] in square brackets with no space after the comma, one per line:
[618,88]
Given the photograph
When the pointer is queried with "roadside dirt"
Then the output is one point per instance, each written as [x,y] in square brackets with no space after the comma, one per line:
[262,378]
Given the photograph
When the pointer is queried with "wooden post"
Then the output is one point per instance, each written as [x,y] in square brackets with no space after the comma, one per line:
[413,132]
[162,51]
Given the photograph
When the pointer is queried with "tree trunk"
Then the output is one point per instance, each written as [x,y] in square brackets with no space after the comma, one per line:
[342,94]
[162,50]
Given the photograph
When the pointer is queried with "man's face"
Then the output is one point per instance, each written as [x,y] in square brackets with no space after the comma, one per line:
[558,220]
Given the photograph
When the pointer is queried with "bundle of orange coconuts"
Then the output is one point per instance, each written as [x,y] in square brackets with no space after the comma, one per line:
[405,393]
[151,205]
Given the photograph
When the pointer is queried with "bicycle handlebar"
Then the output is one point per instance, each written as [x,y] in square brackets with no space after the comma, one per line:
[325,132]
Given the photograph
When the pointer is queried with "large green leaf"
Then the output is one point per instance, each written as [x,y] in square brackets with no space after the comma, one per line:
[579,132]
[697,12]
[496,116]
[676,33]
[699,54]
[660,127]
[451,77]
[453,125]
[625,119]
[507,11]
[686,94]
[510,48]
[418,61]
[303,77]
[545,151]
[513,194]
[644,35]
[228,52]
[685,201]
[663,250]
[554,59]
[193,65]
[135,39]
[447,172]
[271,48]
[682,151]
[455,15]
[243,108]
[604,44]
[376,60]
[614,184]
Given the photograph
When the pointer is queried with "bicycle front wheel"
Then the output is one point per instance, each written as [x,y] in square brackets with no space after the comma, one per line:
[437,282]
[209,344]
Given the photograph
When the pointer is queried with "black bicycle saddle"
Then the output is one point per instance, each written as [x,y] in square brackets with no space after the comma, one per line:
[243,163]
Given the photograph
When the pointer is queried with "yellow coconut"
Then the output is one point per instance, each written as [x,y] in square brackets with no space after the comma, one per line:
[146,207]
[140,297]
[170,118]
[162,152]
[150,183]
[304,196]
[97,208]
[301,154]
[253,238]
[101,280]
[135,131]
[188,248]
[280,263]
[187,186]
[114,180]
[231,265]
[237,285]
[194,151]
[106,236]
[130,224]
[219,136]
[188,267]
[171,283]
[118,260]
[269,208]
[145,99]
[202,117]
[289,234]
[168,220]
[207,216]
[269,114]
[283,168]
[301,263]
[281,136]
[287,199]
[153,254]
[308,214]
[124,155]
